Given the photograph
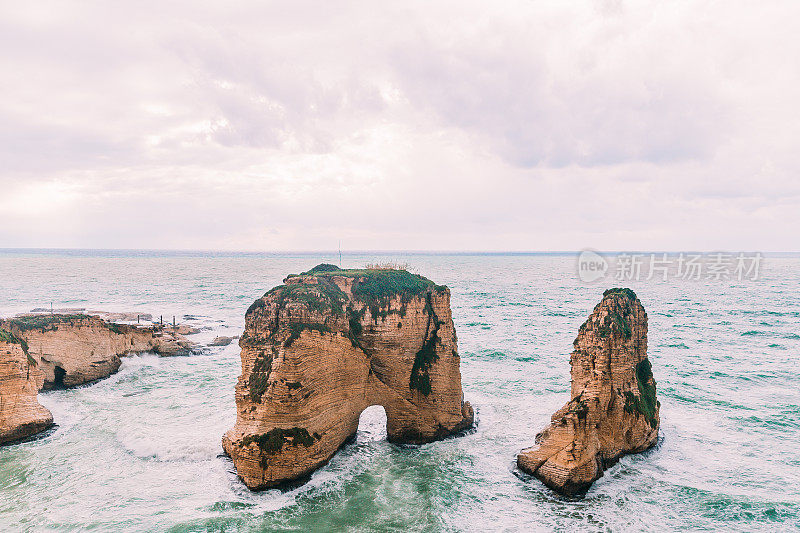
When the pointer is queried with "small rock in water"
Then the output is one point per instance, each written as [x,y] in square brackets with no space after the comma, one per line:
[222,341]
[184,329]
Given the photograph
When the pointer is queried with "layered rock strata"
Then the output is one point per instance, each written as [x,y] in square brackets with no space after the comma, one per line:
[319,349]
[76,349]
[21,415]
[613,410]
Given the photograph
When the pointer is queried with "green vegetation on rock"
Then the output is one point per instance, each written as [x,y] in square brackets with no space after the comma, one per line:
[578,407]
[376,287]
[296,328]
[623,325]
[7,336]
[622,291]
[323,298]
[44,322]
[426,356]
[646,403]
[355,329]
[618,317]
[49,322]
[258,381]
[258,304]
[273,440]
[322,267]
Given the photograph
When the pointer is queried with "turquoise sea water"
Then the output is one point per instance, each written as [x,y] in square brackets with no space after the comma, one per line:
[141,451]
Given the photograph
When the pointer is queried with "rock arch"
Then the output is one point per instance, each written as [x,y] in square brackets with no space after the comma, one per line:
[372,421]
[327,344]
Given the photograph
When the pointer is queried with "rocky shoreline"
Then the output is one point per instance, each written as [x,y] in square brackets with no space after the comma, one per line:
[53,351]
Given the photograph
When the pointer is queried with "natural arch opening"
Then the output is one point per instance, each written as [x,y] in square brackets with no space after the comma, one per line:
[372,424]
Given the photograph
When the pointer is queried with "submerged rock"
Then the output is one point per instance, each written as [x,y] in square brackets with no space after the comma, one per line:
[613,410]
[21,415]
[329,343]
[222,341]
[75,349]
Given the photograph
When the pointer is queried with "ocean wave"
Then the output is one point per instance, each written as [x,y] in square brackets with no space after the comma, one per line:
[167,447]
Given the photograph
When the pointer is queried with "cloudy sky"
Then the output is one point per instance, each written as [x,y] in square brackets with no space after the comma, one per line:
[400,126]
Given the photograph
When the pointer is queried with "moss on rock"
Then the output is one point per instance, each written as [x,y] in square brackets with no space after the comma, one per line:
[621,291]
[323,298]
[275,439]
[376,287]
[44,322]
[645,403]
[7,336]
[322,267]
[420,378]
[258,381]
[50,322]
[296,328]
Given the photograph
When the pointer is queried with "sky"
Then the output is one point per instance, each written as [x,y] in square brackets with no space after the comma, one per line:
[481,126]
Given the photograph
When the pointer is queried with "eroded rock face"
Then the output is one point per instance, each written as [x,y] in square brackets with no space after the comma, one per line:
[21,415]
[613,410]
[76,349]
[327,344]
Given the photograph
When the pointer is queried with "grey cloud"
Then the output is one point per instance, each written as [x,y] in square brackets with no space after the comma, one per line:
[266,94]
[31,148]
[506,97]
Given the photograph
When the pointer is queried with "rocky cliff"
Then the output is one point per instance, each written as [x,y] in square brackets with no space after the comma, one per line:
[613,410]
[74,349]
[329,343]
[21,415]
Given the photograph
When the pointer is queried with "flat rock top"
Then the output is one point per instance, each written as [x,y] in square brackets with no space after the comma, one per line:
[374,280]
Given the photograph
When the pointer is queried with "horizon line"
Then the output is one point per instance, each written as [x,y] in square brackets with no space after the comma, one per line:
[385,251]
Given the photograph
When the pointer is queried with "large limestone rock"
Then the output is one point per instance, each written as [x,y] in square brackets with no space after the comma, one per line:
[76,348]
[329,343]
[613,410]
[21,415]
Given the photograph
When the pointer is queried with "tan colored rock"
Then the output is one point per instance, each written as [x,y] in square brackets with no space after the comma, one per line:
[21,415]
[327,344]
[169,341]
[222,341]
[77,349]
[613,410]
[182,329]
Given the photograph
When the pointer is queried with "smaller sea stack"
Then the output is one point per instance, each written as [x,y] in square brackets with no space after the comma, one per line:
[613,410]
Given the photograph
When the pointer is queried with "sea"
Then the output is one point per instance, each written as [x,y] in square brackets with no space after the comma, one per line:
[140,451]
